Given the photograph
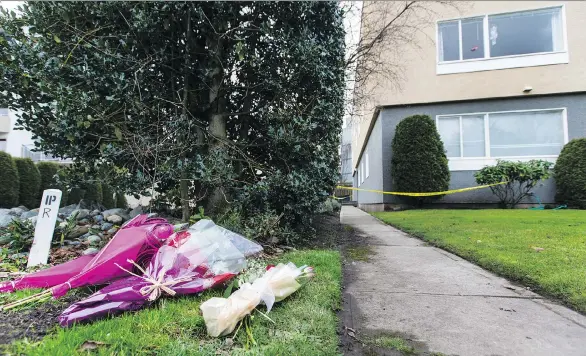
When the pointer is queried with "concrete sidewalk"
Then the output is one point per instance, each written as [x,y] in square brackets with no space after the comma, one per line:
[448,304]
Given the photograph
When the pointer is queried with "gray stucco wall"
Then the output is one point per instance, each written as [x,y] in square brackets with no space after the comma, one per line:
[375,177]
[390,117]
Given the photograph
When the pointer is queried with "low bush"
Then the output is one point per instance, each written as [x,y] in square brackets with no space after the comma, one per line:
[75,196]
[518,179]
[9,182]
[108,199]
[93,192]
[30,182]
[121,200]
[570,174]
[48,171]
[419,162]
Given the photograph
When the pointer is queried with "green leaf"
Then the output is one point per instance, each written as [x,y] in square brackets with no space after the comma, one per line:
[57,39]
[118,133]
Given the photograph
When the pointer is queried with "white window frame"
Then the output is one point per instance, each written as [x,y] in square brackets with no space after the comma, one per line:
[362,171]
[359,176]
[476,163]
[504,62]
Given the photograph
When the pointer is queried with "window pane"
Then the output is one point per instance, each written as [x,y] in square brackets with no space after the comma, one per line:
[449,41]
[2,145]
[472,38]
[525,32]
[526,133]
[449,130]
[473,136]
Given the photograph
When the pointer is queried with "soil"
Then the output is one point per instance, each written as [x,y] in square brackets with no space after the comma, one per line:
[33,322]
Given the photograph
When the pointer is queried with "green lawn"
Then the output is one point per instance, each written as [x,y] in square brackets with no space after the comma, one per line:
[306,324]
[544,249]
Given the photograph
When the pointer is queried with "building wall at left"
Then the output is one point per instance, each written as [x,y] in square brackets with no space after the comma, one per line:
[14,139]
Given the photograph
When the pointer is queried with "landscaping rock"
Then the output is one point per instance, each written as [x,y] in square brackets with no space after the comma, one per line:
[107,226]
[29,214]
[98,218]
[74,243]
[115,211]
[152,215]
[6,219]
[33,219]
[85,236]
[94,240]
[67,210]
[96,227]
[81,213]
[112,231]
[17,211]
[19,255]
[83,222]
[78,231]
[94,213]
[90,251]
[136,211]
[115,219]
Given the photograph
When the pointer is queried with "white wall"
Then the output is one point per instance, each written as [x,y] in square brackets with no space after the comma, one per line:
[15,139]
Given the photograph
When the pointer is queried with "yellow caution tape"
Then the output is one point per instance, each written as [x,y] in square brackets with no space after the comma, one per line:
[429,194]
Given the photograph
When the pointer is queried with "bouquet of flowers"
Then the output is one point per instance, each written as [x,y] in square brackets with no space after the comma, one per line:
[221,315]
[190,262]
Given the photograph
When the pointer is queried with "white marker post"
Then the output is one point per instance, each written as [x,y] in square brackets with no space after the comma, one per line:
[45,228]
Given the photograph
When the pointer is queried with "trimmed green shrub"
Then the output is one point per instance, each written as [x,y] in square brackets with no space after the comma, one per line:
[121,200]
[520,178]
[30,182]
[93,192]
[48,170]
[419,163]
[570,174]
[108,197]
[75,195]
[61,174]
[9,182]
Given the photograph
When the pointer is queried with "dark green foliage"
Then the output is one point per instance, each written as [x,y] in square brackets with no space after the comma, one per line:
[121,200]
[75,195]
[61,177]
[108,197]
[93,192]
[570,174]
[520,178]
[30,182]
[48,171]
[9,183]
[243,100]
[419,163]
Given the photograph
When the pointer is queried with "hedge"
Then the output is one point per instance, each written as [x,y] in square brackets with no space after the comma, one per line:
[75,196]
[93,192]
[9,182]
[419,162]
[30,182]
[48,170]
[108,200]
[570,174]
[121,200]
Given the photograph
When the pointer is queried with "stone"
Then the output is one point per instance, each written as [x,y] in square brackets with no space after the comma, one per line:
[112,231]
[96,227]
[85,236]
[107,226]
[115,211]
[17,211]
[90,251]
[152,215]
[67,210]
[94,240]
[19,255]
[29,214]
[81,213]
[83,222]
[73,243]
[94,213]
[6,219]
[78,231]
[33,220]
[98,218]
[136,211]
[115,219]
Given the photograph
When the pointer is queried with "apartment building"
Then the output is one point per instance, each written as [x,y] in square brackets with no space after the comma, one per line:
[20,143]
[502,80]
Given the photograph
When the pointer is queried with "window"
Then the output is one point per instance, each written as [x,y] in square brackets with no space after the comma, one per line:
[2,145]
[367,165]
[362,172]
[519,134]
[465,45]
